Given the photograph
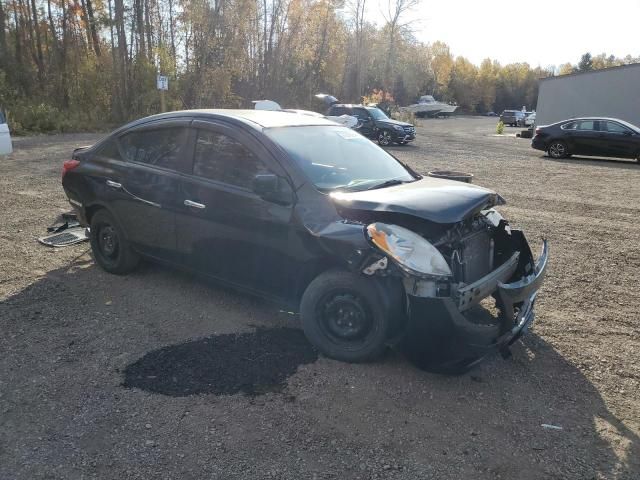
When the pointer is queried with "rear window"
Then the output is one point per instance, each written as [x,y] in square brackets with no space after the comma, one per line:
[337,111]
[161,147]
[109,149]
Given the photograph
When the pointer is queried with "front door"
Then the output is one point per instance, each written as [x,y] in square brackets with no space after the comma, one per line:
[224,229]
[149,190]
[368,127]
[618,140]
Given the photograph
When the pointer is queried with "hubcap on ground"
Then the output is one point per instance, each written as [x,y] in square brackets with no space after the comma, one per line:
[108,241]
[345,316]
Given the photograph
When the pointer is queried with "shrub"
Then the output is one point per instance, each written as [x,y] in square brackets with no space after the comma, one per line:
[500,128]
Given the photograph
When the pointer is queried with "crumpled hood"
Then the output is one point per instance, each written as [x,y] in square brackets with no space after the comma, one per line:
[433,199]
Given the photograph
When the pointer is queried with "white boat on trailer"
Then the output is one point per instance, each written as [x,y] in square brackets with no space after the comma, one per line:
[428,106]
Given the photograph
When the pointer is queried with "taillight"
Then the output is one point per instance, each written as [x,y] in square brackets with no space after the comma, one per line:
[69,165]
[538,131]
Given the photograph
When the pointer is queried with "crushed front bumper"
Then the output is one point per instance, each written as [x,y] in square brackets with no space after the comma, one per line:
[514,297]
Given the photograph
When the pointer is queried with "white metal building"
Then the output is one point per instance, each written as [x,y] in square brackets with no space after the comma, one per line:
[612,92]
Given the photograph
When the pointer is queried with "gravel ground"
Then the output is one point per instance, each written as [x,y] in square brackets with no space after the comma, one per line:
[115,377]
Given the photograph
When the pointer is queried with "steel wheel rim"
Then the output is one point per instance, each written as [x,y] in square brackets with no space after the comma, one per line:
[108,242]
[344,318]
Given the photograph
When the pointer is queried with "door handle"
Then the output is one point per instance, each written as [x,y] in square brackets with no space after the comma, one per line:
[112,184]
[190,203]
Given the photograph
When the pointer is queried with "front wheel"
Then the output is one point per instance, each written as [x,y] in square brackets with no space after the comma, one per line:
[344,317]
[558,149]
[111,249]
[384,138]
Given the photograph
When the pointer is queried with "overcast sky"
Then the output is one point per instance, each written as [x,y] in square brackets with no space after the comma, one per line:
[540,32]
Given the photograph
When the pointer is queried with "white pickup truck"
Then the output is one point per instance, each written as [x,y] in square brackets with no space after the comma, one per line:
[5,136]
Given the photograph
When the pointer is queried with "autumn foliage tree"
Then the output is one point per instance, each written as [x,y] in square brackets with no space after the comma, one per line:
[91,64]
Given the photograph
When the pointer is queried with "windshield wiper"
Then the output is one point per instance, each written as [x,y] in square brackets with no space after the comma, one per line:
[387,183]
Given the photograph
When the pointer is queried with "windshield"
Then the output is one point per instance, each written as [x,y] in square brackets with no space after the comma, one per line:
[339,158]
[377,114]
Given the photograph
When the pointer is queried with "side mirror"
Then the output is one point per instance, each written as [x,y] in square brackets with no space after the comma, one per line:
[272,188]
[627,133]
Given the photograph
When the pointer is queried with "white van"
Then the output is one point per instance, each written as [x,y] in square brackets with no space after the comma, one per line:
[5,136]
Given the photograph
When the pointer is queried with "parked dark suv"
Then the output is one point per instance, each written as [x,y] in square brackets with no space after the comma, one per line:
[312,214]
[513,118]
[374,123]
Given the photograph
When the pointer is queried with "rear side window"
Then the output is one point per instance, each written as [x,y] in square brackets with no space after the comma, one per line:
[161,148]
[570,126]
[337,111]
[109,149]
[224,159]
[361,114]
[587,125]
[2,119]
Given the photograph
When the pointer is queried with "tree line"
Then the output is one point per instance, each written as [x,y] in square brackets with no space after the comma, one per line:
[86,64]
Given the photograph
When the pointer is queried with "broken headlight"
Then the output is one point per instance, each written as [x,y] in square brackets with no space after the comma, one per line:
[410,251]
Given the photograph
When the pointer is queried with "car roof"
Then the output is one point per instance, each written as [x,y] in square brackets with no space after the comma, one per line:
[623,122]
[258,119]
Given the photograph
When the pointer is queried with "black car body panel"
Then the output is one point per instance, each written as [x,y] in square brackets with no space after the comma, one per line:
[275,246]
[605,137]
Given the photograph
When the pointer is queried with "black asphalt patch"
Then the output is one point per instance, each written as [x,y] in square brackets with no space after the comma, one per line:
[251,363]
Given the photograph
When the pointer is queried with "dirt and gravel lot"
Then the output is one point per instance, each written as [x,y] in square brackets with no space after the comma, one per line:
[116,377]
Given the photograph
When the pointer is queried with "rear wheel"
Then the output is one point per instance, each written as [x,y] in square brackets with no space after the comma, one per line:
[558,149]
[384,138]
[344,316]
[111,249]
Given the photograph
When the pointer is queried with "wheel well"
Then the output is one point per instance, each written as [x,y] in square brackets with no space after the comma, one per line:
[91,211]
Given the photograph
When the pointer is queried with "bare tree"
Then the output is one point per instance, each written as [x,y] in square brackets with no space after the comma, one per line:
[395,17]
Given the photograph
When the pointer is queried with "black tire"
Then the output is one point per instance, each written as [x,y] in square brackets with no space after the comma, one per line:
[344,317]
[384,138]
[558,149]
[110,247]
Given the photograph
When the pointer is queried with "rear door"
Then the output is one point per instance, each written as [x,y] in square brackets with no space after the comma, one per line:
[5,138]
[224,229]
[617,140]
[157,155]
[586,139]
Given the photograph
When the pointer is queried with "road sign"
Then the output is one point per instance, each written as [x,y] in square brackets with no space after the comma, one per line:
[162,82]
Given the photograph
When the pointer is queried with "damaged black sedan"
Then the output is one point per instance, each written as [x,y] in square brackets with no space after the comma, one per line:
[300,210]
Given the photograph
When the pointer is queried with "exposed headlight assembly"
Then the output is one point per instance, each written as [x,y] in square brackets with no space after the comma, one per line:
[409,250]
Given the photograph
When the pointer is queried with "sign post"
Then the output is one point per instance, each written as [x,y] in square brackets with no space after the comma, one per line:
[162,82]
